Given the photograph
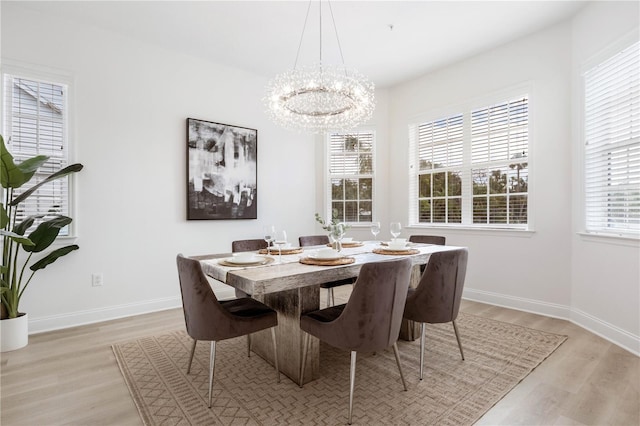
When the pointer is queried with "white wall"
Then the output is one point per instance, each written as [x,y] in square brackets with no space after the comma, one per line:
[594,282]
[527,270]
[131,101]
[379,122]
[605,271]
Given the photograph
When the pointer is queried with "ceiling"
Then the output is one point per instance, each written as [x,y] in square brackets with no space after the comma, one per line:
[388,41]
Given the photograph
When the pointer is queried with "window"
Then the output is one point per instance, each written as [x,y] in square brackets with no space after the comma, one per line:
[472,168]
[35,114]
[351,176]
[440,165]
[612,145]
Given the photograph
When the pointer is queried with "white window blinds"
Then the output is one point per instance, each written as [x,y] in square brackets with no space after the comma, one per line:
[351,176]
[440,146]
[499,151]
[35,124]
[612,145]
[471,168]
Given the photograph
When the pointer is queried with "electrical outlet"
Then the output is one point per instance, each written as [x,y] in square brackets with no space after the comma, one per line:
[96,279]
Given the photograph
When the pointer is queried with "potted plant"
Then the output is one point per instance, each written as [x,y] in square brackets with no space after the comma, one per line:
[18,249]
[336,229]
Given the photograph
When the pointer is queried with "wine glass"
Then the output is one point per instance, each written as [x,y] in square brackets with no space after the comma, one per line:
[269,236]
[375,229]
[337,232]
[280,240]
[395,229]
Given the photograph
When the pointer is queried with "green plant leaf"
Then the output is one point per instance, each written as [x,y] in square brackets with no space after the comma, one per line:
[73,168]
[46,233]
[26,223]
[20,239]
[4,218]
[52,257]
[22,227]
[12,175]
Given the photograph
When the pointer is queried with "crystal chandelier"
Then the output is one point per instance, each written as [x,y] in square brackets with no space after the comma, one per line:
[319,98]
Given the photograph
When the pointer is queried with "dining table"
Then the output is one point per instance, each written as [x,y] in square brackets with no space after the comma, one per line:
[290,284]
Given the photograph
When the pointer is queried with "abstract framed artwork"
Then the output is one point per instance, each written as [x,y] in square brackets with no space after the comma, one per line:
[222,171]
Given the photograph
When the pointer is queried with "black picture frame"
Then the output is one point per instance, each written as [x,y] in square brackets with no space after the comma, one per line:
[222,171]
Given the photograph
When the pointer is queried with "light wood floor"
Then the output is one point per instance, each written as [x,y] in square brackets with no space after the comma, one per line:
[71,376]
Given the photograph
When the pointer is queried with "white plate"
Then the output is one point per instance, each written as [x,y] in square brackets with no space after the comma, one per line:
[325,257]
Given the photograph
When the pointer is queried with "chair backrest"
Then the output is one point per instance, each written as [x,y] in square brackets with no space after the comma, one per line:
[428,239]
[437,297]
[313,240]
[204,317]
[373,315]
[248,245]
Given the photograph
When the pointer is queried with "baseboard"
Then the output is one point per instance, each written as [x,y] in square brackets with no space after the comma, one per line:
[73,319]
[614,334]
[610,332]
[520,303]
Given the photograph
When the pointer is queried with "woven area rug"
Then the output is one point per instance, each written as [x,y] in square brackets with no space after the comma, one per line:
[454,392]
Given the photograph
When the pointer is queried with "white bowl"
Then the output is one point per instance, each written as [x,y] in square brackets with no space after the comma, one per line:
[327,253]
[245,257]
[347,240]
[394,245]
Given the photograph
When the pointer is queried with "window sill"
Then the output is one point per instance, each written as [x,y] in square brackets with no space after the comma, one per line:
[63,241]
[619,240]
[470,230]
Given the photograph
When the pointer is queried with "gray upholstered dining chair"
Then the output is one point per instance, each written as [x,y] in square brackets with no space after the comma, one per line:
[428,239]
[317,240]
[247,245]
[369,322]
[436,299]
[207,318]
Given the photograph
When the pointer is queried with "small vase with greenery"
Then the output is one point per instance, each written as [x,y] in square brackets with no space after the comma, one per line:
[336,229]
[18,248]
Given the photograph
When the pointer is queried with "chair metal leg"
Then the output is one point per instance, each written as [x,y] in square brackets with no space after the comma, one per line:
[212,367]
[422,329]
[275,353]
[248,345]
[305,345]
[352,381]
[330,300]
[395,352]
[193,351]
[455,328]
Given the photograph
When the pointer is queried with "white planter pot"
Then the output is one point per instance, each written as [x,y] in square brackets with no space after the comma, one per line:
[14,333]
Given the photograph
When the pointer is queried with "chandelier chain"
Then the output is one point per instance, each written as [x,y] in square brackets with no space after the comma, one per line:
[320,28]
[304,27]
[335,28]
